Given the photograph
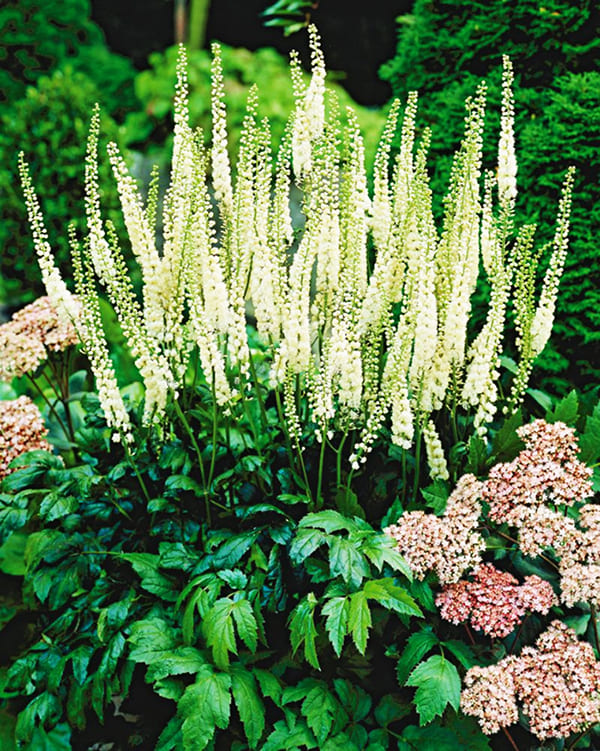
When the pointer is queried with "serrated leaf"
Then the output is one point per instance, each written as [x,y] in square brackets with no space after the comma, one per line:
[56,505]
[567,410]
[337,610]
[419,738]
[391,596]
[359,620]
[204,707]
[305,543]
[438,684]
[269,685]
[180,661]
[245,622]
[303,630]
[249,704]
[320,708]
[229,552]
[146,567]
[150,639]
[416,647]
[589,441]
[507,444]
[218,631]
[329,521]
[462,652]
[379,549]
[347,561]
[171,737]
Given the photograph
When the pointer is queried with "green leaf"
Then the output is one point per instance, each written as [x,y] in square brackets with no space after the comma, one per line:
[56,505]
[12,554]
[337,610]
[150,639]
[380,550]
[182,660]
[321,708]
[218,631]
[328,520]
[146,567]
[462,652]
[391,596]
[478,455]
[245,622]
[204,707]
[566,410]
[171,738]
[391,709]
[359,620]
[7,732]
[269,685]
[305,543]
[507,444]
[303,630]
[419,738]
[249,704]
[232,549]
[589,441]
[416,647]
[436,496]
[438,684]
[347,561]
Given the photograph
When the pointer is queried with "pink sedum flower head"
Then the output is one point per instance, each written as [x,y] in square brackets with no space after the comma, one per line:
[21,430]
[557,684]
[28,338]
[448,544]
[493,601]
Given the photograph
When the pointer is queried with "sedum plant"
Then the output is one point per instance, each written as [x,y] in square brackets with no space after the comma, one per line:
[235,547]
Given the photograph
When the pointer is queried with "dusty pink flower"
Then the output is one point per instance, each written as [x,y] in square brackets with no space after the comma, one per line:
[447,544]
[31,334]
[21,429]
[546,471]
[557,683]
[580,565]
[494,602]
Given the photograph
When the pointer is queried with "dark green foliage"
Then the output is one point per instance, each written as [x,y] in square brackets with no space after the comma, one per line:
[444,48]
[40,35]
[50,125]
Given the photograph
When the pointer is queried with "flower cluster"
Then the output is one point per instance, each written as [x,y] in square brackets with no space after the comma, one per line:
[30,335]
[557,683]
[447,544]
[580,565]
[546,472]
[494,602]
[21,429]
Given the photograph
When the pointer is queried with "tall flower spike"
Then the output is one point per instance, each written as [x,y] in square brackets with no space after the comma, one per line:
[544,314]
[221,169]
[507,161]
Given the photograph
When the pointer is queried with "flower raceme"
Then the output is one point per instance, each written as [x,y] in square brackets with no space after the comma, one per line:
[364,307]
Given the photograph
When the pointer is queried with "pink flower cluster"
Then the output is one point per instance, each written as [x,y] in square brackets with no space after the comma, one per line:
[27,339]
[580,565]
[448,544]
[21,429]
[547,471]
[557,683]
[493,601]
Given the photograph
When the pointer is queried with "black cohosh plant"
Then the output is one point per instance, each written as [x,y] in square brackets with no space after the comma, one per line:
[215,533]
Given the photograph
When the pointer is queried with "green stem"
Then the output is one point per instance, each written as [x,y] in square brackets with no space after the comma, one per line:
[319,501]
[417,461]
[135,469]
[49,404]
[286,435]
[192,437]
[338,461]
